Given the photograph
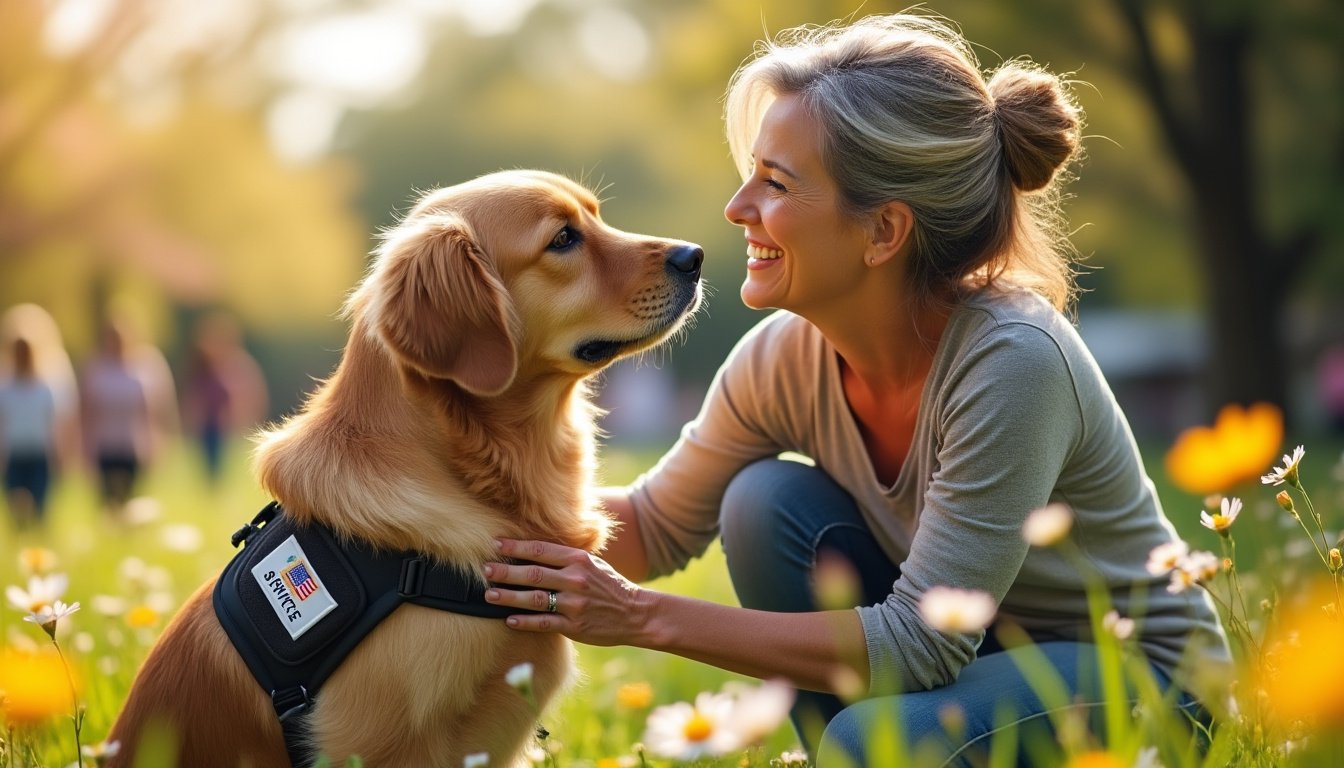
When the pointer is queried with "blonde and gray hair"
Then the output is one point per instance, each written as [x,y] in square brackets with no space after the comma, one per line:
[906,114]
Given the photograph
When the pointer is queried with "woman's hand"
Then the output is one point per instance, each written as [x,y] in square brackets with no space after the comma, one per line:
[579,594]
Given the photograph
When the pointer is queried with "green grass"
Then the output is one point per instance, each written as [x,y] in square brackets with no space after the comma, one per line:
[587,727]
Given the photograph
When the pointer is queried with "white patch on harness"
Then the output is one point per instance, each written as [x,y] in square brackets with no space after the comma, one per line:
[293,588]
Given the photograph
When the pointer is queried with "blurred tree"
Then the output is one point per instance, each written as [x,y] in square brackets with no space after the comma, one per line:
[134,164]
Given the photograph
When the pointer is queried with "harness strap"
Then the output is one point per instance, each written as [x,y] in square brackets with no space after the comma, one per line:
[342,592]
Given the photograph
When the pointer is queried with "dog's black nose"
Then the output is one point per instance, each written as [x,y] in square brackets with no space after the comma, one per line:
[686,259]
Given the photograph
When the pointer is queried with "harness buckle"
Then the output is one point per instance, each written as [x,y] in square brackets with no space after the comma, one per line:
[412,577]
[266,515]
[291,702]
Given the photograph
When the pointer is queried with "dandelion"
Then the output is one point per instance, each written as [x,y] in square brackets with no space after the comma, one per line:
[47,617]
[33,686]
[42,591]
[1048,525]
[634,695]
[1236,449]
[1288,472]
[476,760]
[1119,626]
[1221,521]
[952,610]
[37,561]
[1165,557]
[686,732]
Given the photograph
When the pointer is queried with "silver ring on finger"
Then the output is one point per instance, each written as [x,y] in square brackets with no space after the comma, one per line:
[552,601]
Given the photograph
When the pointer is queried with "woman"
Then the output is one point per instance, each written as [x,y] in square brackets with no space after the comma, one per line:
[904,213]
[28,418]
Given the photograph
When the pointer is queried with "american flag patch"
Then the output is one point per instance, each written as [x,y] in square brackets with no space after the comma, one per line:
[302,584]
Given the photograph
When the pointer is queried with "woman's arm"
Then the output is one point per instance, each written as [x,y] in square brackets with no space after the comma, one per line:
[822,651]
[625,549]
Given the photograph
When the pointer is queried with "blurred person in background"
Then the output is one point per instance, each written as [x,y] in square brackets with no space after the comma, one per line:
[902,208]
[123,387]
[27,436]
[1330,385]
[51,361]
[223,390]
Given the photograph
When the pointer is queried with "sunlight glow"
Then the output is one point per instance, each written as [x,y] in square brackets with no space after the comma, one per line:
[362,57]
[615,43]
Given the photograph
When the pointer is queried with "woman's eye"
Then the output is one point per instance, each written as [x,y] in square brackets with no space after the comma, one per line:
[565,239]
[775,185]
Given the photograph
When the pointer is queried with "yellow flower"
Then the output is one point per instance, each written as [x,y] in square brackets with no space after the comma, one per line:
[1307,682]
[1236,449]
[635,695]
[142,617]
[1096,760]
[34,687]
[37,561]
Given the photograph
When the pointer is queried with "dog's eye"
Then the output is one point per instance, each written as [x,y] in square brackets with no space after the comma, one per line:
[565,239]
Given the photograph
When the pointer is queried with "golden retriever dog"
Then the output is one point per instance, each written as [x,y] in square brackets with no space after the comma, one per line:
[458,413]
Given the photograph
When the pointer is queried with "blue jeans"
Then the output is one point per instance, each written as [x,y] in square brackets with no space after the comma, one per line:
[777,518]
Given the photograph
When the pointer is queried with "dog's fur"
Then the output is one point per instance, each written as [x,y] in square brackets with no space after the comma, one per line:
[458,414]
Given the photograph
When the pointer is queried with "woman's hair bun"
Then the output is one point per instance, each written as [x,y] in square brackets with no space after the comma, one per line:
[1039,123]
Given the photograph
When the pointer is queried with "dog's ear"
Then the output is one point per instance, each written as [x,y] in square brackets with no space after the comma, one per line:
[441,306]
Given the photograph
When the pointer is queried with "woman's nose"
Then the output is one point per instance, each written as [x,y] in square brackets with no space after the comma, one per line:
[739,210]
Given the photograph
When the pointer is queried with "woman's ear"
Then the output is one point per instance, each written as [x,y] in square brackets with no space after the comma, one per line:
[892,224]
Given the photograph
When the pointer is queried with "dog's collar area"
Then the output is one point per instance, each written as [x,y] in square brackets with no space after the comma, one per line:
[297,599]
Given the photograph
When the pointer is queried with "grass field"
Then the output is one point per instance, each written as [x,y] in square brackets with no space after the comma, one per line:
[130,577]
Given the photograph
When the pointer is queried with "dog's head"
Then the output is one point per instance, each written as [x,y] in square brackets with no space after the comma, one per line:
[514,274]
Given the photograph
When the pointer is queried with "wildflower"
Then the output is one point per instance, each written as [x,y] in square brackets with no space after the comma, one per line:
[1048,525]
[535,753]
[634,695]
[35,686]
[42,591]
[476,760]
[1336,560]
[1286,502]
[948,609]
[36,561]
[758,711]
[686,732]
[1304,683]
[182,537]
[519,677]
[101,753]
[1095,759]
[835,582]
[1166,556]
[794,758]
[47,617]
[1223,520]
[108,605]
[1147,758]
[624,761]
[1236,449]
[142,617]
[1119,626]
[1288,472]
[1195,568]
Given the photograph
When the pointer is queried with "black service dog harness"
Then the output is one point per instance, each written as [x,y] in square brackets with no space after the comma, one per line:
[298,599]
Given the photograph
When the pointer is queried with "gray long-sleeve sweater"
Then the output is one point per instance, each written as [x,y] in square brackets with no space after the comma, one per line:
[1014,414]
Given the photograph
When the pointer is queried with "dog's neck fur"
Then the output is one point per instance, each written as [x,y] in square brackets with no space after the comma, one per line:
[407,462]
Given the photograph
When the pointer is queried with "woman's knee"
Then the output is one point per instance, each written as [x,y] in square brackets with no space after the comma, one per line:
[768,494]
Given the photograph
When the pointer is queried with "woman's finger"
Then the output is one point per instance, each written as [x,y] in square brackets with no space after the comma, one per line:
[544,552]
[531,599]
[522,575]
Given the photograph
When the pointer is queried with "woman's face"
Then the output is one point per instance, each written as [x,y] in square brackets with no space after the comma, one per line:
[803,254]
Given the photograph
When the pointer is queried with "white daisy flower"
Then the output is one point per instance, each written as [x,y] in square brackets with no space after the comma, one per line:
[1222,520]
[48,615]
[1288,472]
[1166,556]
[42,591]
[759,710]
[952,610]
[519,677]
[1048,525]
[686,732]
[1120,626]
